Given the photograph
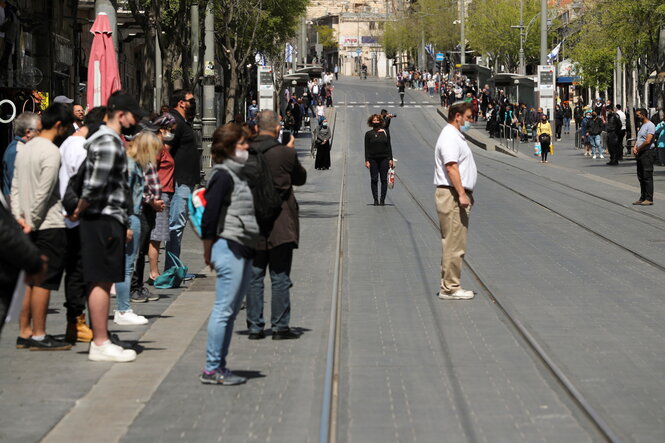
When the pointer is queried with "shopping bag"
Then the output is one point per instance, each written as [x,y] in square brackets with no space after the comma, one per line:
[536,149]
[391,178]
[172,277]
[551,149]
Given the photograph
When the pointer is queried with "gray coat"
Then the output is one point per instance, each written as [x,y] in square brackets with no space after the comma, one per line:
[240,222]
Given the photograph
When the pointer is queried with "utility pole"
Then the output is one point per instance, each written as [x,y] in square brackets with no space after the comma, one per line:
[543,32]
[384,49]
[303,41]
[196,44]
[158,74]
[209,121]
[422,61]
[522,68]
[462,38]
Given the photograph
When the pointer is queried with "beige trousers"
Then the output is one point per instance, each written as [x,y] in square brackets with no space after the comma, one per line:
[454,223]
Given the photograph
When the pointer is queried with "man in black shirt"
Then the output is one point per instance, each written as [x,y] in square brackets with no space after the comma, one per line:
[386,120]
[400,87]
[187,159]
[613,127]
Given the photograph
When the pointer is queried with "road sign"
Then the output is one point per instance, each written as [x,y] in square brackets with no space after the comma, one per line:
[439,56]
[546,79]
[359,51]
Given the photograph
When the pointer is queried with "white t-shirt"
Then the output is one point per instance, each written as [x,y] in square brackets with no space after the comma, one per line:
[72,154]
[622,117]
[451,147]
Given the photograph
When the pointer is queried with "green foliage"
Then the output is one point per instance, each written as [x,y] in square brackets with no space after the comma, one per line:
[488,30]
[327,37]
[632,26]
[399,36]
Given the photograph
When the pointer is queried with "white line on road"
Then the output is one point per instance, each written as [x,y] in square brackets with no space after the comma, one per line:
[107,411]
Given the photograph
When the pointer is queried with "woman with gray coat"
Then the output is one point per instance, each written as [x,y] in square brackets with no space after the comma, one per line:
[229,231]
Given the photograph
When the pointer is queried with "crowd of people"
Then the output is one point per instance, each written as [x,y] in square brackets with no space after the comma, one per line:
[92,196]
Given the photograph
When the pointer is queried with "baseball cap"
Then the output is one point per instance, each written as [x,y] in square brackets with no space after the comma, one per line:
[63,99]
[125,102]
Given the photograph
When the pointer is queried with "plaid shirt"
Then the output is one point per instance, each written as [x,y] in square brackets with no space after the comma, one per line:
[105,185]
[153,187]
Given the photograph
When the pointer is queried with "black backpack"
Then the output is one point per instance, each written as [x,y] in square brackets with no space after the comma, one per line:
[544,139]
[70,199]
[267,199]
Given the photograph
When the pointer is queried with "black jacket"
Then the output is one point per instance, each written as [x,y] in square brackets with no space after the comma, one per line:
[377,145]
[595,126]
[17,253]
[185,152]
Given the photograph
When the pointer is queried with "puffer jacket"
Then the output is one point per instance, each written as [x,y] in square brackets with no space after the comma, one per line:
[240,222]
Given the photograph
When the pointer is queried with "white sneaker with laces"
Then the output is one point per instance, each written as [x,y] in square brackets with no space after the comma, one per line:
[594,156]
[460,294]
[128,318]
[602,156]
[110,352]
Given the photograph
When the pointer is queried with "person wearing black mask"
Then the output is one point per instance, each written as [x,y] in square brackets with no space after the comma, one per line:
[187,161]
[378,157]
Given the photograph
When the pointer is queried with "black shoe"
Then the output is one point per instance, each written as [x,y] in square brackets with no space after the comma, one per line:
[285,335]
[22,343]
[138,297]
[149,295]
[376,202]
[382,202]
[49,344]
[256,335]
[123,344]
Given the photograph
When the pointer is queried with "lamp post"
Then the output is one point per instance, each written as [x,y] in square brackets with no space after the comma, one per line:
[463,41]
[543,32]
[522,69]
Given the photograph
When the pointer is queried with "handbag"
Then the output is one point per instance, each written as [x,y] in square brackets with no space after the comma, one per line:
[172,277]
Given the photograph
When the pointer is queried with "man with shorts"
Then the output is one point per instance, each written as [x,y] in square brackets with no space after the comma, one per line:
[102,211]
[36,206]
[455,176]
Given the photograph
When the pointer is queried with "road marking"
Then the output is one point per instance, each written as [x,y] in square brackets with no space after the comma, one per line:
[350,106]
[122,392]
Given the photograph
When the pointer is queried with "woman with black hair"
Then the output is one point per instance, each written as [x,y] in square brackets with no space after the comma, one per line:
[378,157]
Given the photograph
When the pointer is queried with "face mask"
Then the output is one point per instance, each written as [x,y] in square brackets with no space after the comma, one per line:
[241,156]
[168,136]
[466,126]
[376,125]
[128,131]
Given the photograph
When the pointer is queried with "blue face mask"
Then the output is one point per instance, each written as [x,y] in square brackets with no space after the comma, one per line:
[466,126]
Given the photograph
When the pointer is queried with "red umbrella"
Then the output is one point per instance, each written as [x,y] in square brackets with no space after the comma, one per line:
[103,73]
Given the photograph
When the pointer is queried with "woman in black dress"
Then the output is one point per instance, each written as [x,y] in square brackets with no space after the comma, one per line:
[323,146]
[378,157]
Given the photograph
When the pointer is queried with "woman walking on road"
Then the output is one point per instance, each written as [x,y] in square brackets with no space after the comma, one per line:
[228,246]
[544,133]
[323,147]
[378,157]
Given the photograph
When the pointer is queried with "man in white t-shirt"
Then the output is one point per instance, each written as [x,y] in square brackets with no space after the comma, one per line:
[455,176]
[622,132]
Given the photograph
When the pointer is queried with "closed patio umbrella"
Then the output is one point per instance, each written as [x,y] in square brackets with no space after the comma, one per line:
[103,73]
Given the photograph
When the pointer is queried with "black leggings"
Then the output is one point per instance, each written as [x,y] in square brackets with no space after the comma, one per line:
[544,150]
[378,168]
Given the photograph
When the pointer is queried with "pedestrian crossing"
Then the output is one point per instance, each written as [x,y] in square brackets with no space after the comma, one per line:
[396,103]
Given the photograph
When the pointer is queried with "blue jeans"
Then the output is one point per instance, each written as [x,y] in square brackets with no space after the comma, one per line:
[566,124]
[177,222]
[279,260]
[131,251]
[595,145]
[233,274]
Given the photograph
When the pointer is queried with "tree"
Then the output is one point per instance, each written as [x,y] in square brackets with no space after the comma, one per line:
[245,27]
[489,31]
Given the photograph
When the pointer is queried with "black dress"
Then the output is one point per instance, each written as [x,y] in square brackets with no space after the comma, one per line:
[322,151]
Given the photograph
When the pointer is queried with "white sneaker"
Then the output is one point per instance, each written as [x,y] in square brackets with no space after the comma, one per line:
[460,294]
[602,156]
[110,352]
[594,156]
[128,318]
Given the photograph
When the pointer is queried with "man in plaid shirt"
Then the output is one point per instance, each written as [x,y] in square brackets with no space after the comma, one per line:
[102,210]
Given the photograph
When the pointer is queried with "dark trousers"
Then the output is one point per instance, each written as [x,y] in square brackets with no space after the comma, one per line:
[76,289]
[278,260]
[322,156]
[379,168]
[559,127]
[401,98]
[147,223]
[645,160]
[661,156]
[613,147]
[544,150]
[622,134]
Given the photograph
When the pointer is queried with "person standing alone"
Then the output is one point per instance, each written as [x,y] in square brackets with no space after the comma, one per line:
[455,177]
[645,155]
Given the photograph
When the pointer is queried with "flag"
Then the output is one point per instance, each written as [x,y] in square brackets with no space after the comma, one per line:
[554,54]
[289,53]
[430,49]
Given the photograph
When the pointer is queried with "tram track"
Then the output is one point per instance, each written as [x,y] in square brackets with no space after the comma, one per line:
[537,350]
